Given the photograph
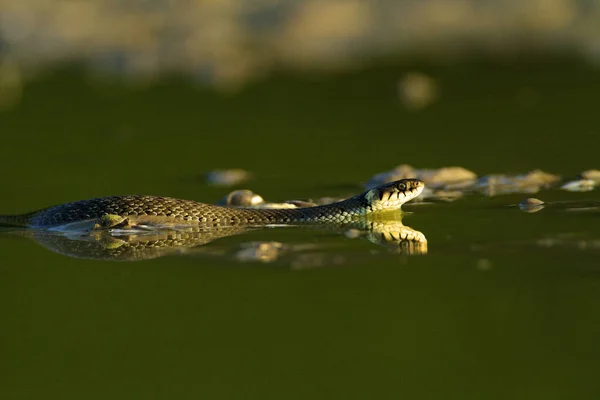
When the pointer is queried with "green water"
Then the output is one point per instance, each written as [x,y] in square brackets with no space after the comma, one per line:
[503,306]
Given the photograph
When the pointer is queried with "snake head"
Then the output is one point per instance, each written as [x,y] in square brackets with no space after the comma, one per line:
[392,195]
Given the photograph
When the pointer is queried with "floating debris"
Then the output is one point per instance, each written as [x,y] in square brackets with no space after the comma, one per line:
[265,252]
[417,90]
[241,198]
[531,205]
[227,177]
[581,185]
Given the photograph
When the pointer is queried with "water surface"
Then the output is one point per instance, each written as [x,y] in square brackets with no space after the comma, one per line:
[503,305]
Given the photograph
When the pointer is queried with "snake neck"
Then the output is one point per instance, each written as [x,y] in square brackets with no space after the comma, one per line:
[341,212]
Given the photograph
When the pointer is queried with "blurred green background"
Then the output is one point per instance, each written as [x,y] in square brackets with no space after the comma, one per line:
[502,307]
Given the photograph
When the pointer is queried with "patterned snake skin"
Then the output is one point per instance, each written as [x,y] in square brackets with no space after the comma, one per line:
[164,210]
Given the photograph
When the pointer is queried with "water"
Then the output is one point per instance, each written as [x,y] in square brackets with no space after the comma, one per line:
[503,305]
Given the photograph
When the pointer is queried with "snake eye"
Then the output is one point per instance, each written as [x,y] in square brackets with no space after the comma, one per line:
[402,186]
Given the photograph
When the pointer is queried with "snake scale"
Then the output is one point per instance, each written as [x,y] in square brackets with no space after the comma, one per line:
[136,210]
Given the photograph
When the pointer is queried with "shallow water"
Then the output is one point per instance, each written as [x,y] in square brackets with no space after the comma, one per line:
[502,305]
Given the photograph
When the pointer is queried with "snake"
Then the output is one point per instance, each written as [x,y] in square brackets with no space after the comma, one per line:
[141,211]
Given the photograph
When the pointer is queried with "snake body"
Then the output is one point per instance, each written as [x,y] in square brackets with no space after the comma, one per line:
[165,210]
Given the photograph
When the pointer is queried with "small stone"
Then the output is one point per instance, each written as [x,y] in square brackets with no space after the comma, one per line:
[241,198]
[531,205]
[532,202]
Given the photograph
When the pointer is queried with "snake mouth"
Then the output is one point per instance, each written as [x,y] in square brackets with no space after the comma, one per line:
[392,195]
[415,190]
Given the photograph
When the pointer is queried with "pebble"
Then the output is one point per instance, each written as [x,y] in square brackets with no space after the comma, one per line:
[531,205]
[241,198]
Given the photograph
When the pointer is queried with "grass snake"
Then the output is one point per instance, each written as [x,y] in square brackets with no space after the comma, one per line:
[139,211]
